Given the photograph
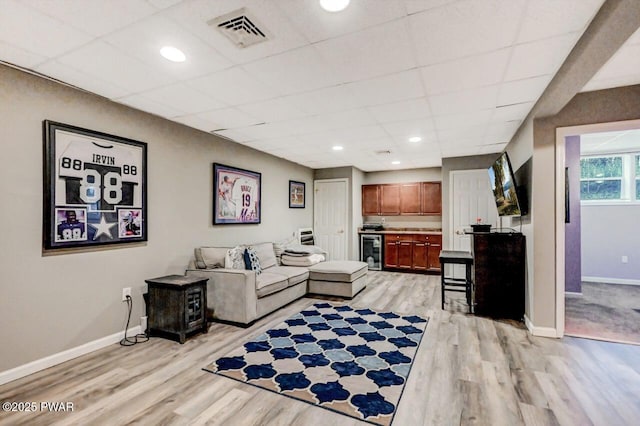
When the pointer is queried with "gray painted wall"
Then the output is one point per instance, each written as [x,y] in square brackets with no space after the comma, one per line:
[572,243]
[53,303]
[608,233]
[561,106]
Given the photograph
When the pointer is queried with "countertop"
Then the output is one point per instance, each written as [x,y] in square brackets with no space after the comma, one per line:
[419,231]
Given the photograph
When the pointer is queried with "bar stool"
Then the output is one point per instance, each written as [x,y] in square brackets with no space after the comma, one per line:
[457,284]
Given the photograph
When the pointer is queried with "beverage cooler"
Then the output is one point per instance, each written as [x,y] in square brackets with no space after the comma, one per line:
[371,250]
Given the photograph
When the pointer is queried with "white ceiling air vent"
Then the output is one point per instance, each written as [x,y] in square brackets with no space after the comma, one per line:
[241,28]
[383,152]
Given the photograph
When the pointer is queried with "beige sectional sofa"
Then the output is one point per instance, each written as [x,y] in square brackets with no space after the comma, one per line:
[242,296]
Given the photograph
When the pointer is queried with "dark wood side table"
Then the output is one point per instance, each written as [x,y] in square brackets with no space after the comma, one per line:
[177,306]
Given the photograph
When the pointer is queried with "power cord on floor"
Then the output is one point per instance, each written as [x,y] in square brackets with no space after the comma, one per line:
[138,338]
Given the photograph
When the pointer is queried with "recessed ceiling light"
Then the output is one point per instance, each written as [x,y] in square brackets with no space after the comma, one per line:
[337,148]
[415,139]
[334,5]
[395,162]
[173,54]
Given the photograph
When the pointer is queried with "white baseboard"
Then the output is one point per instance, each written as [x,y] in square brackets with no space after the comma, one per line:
[610,280]
[55,359]
[540,331]
[573,294]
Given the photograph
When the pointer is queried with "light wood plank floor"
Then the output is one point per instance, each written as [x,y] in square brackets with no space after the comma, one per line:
[468,370]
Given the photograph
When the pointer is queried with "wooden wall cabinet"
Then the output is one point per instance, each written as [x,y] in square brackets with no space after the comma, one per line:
[417,252]
[411,199]
[370,200]
[431,201]
[390,200]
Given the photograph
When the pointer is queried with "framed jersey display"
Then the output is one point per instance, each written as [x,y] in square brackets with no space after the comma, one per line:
[236,195]
[94,188]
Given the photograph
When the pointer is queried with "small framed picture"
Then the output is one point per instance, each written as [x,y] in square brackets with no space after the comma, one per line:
[296,195]
[236,195]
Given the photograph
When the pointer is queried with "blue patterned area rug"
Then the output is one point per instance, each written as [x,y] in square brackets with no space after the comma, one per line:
[351,361]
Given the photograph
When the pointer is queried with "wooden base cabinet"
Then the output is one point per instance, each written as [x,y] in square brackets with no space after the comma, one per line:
[417,252]
[499,274]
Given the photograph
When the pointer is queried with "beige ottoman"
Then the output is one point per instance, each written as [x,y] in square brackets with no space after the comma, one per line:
[343,278]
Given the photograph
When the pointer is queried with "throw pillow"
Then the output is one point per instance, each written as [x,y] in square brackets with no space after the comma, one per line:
[234,258]
[251,261]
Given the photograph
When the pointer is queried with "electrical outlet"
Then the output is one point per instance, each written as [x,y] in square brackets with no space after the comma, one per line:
[126,292]
[625,259]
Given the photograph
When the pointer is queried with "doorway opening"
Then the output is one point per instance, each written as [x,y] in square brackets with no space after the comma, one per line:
[600,273]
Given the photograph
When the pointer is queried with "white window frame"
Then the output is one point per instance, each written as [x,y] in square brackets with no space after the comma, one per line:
[629,179]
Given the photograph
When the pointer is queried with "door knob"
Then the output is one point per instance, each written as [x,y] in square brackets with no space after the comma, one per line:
[341,231]
[459,232]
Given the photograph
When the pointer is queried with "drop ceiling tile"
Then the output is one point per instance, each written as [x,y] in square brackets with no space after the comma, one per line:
[163,4]
[234,86]
[273,110]
[80,79]
[403,130]
[458,151]
[512,112]
[329,99]
[318,24]
[19,56]
[390,88]
[549,18]
[268,130]
[501,132]
[229,118]
[196,122]
[95,17]
[17,21]
[195,15]
[346,119]
[415,6]
[464,101]
[540,57]
[101,60]
[623,67]
[183,98]
[464,28]
[469,119]
[145,104]
[413,109]
[298,70]
[462,136]
[236,135]
[520,91]
[357,56]
[145,39]
[467,73]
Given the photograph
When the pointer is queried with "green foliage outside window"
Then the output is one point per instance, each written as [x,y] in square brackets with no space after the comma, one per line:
[601,178]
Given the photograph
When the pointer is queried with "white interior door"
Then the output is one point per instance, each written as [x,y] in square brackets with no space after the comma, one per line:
[470,199]
[330,216]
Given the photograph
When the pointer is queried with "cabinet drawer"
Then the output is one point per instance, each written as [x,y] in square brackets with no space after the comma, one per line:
[432,239]
[399,238]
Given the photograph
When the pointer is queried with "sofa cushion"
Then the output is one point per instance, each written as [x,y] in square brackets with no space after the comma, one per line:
[210,257]
[268,283]
[294,274]
[338,270]
[266,255]
[235,258]
[251,261]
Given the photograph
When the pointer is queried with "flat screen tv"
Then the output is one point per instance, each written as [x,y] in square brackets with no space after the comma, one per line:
[504,188]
